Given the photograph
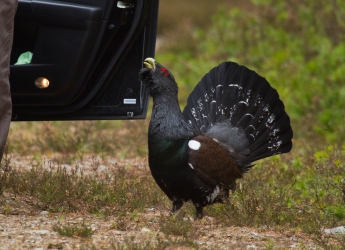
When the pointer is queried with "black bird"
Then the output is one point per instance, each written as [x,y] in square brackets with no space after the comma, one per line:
[233,117]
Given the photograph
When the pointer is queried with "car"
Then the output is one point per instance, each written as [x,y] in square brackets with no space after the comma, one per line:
[79,59]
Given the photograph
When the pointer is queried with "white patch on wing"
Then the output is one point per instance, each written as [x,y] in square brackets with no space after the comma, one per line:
[213,195]
[191,166]
[193,144]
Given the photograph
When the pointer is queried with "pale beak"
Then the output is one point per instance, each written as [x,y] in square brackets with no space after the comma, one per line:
[150,63]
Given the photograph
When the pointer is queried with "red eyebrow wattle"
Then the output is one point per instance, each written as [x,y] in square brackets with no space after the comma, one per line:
[166,72]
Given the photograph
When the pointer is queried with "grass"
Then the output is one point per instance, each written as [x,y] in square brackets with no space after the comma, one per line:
[308,196]
[178,21]
[75,139]
[162,243]
[68,230]
[295,51]
[303,191]
[54,188]
[175,225]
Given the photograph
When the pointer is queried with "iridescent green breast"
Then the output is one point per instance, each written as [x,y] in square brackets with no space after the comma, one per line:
[167,153]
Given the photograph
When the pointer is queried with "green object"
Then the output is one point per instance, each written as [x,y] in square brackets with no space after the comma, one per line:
[24,58]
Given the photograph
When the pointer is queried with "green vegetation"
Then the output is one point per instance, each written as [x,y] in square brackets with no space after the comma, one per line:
[299,46]
[162,243]
[176,226]
[298,192]
[55,189]
[75,139]
[74,230]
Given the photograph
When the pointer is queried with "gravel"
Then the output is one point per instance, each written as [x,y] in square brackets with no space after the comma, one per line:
[36,232]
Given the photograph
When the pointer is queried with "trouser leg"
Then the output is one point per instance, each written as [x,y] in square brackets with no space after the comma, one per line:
[7,12]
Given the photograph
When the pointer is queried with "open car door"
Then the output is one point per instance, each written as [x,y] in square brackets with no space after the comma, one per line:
[81,58]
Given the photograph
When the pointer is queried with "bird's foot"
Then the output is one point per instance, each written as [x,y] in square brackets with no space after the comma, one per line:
[177,204]
[199,212]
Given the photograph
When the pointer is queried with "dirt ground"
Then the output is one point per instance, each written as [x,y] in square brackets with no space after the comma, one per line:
[36,232]
[26,227]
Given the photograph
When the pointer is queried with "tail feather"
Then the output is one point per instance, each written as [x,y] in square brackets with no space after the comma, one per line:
[257,126]
[275,136]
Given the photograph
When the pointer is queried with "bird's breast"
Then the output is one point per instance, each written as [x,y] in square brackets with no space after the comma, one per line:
[167,153]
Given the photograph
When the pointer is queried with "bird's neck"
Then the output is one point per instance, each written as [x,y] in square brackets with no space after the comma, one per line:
[167,121]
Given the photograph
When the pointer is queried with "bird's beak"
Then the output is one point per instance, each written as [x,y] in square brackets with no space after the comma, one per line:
[150,63]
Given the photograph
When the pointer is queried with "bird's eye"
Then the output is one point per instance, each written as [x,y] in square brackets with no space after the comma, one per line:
[165,71]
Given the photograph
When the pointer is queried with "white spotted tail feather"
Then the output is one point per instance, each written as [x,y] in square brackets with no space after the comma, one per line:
[240,109]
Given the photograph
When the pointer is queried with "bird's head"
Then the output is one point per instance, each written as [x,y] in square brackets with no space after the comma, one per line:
[157,78]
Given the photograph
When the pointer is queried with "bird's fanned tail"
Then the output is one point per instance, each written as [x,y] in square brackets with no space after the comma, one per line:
[239,108]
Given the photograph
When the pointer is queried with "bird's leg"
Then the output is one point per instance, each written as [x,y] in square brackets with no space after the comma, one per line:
[177,204]
[198,214]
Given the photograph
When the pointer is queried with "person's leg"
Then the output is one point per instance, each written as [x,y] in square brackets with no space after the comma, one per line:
[7,12]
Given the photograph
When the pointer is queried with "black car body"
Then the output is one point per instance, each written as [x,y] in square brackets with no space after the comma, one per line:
[90,51]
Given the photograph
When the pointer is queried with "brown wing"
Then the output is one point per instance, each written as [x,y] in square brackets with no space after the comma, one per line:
[211,162]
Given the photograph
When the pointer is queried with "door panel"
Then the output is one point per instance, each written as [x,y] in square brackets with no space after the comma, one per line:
[89,50]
